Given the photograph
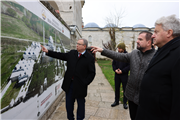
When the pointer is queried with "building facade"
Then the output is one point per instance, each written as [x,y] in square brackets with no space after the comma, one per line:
[71,12]
[96,35]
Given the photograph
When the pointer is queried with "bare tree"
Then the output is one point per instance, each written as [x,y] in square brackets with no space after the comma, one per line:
[113,21]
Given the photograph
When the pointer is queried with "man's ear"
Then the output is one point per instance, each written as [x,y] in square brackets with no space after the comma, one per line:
[149,42]
[169,33]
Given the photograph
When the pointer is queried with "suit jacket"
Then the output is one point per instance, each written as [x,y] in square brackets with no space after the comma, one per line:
[82,70]
[160,88]
[123,66]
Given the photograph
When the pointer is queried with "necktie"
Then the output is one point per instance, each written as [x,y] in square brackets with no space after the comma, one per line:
[79,55]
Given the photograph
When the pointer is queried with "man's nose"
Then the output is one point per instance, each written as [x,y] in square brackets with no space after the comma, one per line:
[153,36]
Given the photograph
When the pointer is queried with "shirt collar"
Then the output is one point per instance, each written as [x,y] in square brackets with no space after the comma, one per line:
[83,52]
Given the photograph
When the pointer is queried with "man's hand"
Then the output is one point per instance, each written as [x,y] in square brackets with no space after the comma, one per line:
[96,49]
[44,49]
[118,71]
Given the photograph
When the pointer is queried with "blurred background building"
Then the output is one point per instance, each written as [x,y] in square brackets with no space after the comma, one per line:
[97,35]
[69,11]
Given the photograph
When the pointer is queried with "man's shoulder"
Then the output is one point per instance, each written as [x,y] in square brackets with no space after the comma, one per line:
[135,51]
[89,54]
[72,51]
[177,48]
[152,51]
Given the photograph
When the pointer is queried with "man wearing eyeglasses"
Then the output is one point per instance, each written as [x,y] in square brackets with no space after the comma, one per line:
[80,73]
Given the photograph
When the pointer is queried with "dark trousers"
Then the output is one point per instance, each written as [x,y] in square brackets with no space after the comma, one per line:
[132,109]
[70,105]
[118,80]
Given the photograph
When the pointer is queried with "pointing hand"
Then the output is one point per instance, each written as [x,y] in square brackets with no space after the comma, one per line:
[44,49]
[96,49]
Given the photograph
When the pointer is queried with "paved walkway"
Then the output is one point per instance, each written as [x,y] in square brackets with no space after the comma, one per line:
[98,102]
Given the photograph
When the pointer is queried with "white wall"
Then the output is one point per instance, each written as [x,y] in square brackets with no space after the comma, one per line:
[98,35]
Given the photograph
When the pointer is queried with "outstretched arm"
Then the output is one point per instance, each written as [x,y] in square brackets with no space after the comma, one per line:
[123,57]
[58,55]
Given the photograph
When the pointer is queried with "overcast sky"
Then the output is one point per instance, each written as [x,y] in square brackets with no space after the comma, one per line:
[136,12]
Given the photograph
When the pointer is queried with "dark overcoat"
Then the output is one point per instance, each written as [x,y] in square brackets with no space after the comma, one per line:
[124,67]
[82,70]
[160,88]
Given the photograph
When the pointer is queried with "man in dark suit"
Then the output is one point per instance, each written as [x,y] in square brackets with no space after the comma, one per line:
[80,73]
[121,70]
[160,88]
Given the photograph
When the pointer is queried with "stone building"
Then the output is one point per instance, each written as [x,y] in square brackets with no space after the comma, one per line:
[71,12]
[97,35]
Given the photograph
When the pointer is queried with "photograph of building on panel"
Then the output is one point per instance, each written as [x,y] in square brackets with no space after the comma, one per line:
[27,74]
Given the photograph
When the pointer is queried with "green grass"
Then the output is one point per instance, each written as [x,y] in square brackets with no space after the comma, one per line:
[10,93]
[10,57]
[8,64]
[106,67]
[13,27]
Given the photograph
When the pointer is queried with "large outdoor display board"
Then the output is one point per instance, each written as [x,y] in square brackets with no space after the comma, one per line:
[30,80]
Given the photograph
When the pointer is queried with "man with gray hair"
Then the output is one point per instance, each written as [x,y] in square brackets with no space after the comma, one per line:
[160,88]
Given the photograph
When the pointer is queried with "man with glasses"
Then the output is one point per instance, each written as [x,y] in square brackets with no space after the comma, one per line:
[121,70]
[80,73]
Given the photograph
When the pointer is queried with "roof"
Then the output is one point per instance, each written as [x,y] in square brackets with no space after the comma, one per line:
[110,25]
[92,24]
[139,26]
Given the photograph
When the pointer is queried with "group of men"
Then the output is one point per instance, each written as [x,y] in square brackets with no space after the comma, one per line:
[153,86]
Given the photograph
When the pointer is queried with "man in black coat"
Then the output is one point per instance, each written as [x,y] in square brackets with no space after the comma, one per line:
[160,88]
[80,73]
[121,70]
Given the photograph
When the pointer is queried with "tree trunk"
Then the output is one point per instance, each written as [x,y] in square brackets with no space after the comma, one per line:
[113,38]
